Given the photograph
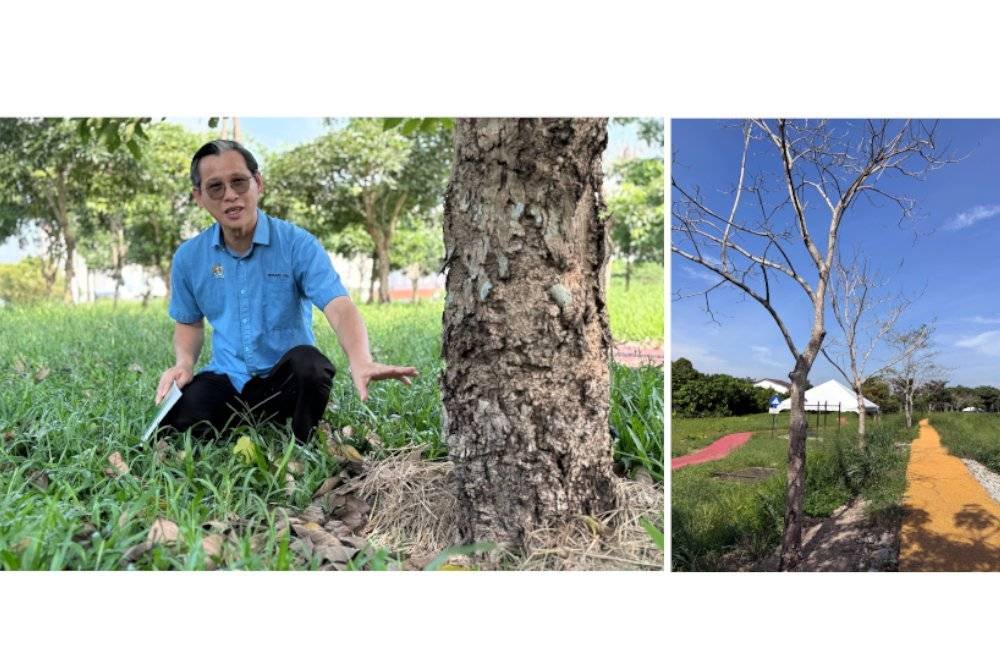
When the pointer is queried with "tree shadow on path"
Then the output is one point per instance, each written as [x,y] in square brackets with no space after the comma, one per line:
[926,549]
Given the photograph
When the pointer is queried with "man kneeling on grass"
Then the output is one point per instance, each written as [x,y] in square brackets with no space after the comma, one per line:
[254,276]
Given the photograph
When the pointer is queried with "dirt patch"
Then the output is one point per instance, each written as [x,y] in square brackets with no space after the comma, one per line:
[849,540]
[637,354]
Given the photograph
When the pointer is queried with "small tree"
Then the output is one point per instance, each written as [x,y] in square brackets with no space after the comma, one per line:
[419,249]
[915,366]
[866,317]
[636,208]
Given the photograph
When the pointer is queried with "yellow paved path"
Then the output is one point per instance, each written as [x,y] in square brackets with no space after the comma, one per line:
[952,523]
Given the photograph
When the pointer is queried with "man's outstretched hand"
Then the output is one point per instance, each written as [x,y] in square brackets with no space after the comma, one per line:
[181,374]
[370,372]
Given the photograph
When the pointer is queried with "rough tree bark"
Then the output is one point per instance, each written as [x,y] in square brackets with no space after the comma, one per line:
[526,339]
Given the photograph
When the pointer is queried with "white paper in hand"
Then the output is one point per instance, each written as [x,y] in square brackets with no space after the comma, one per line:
[173,395]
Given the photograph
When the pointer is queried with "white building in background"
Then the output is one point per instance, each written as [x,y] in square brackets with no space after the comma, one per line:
[139,282]
[774,385]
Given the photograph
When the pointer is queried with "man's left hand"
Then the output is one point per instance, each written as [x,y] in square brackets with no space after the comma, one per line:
[370,372]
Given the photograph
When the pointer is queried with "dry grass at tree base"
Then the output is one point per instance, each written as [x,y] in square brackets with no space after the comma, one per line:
[414,512]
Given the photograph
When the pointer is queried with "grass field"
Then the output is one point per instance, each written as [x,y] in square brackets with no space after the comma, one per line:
[77,385]
[716,519]
[970,435]
[636,314]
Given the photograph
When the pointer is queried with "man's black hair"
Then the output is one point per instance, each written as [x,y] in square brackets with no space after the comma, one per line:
[216,147]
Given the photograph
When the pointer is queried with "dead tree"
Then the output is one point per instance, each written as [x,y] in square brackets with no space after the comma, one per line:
[915,366]
[774,233]
[866,316]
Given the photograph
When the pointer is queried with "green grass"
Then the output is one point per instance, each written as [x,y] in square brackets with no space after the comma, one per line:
[713,518]
[90,404]
[636,314]
[687,435]
[970,435]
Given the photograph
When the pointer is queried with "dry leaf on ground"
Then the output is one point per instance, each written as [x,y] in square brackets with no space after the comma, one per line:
[135,367]
[212,546]
[39,479]
[289,484]
[20,366]
[118,465]
[41,373]
[163,531]
[325,543]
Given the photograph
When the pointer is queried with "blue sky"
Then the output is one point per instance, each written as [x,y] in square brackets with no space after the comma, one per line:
[278,133]
[946,261]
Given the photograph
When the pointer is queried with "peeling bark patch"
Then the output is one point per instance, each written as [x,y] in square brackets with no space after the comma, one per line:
[562,297]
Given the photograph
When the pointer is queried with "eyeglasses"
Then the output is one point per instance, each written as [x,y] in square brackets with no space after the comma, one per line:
[217,189]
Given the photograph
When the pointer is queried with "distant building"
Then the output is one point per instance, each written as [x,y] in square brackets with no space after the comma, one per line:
[774,385]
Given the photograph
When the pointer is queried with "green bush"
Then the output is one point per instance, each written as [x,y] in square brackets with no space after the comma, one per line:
[23,282]
[718,395]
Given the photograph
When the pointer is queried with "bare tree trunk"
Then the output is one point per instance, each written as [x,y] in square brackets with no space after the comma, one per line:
[862,416]
[526,340]
[70,246]
[374,275]
[382,250]
[791,543]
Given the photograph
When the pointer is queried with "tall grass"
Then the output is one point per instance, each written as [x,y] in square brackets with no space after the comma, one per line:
[718,523]
[970,435]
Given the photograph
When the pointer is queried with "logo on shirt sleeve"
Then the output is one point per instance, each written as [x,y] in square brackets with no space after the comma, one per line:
[217,271]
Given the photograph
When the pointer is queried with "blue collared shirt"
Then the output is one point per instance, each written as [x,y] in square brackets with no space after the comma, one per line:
[259,304]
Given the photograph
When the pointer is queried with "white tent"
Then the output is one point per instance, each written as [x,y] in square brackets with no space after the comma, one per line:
[831,393]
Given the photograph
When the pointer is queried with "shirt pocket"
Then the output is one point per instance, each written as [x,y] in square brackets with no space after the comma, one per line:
[281,302]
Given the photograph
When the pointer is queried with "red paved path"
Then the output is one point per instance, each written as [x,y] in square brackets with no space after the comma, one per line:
[713,452]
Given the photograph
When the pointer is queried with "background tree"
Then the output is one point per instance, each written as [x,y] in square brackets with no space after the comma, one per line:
[526,390]
[936,395]
[419,249]
[46,169]
[363,175]
[163,213]
[750,247]
[865,316]
[636,208]
[878,390]
[915,367]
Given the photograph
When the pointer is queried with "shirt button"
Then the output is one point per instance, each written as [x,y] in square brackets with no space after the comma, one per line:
[243,291]
[244,320]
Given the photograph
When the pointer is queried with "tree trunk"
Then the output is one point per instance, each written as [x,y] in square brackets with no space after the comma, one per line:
[862,416]
[371,284]
[70,244]
[526,391]
[791,543]
[382,250]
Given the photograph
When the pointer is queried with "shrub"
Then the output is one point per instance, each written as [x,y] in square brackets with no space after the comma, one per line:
[23,282]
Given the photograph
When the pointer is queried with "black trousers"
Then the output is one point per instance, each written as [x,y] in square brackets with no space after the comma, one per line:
[298,387]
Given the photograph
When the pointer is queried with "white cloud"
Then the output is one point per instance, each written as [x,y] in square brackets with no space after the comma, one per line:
[702,359]
[764,356]
[984,319]
[987,343]
[703,275]
[972,216]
